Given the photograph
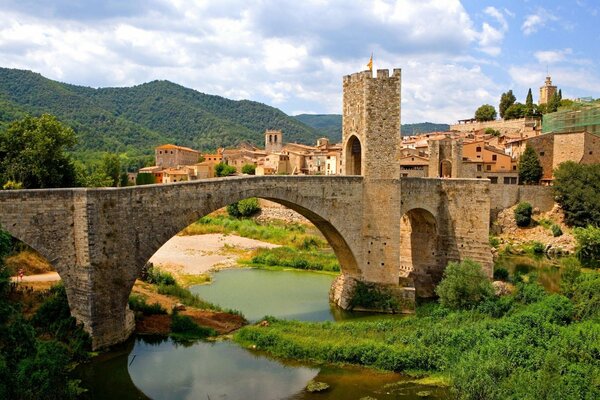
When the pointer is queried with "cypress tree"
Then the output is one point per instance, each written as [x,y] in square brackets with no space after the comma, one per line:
[530,169]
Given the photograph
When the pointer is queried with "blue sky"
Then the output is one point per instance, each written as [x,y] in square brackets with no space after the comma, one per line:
[292,55]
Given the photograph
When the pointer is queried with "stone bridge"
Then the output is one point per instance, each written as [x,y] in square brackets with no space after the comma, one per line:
[396,233]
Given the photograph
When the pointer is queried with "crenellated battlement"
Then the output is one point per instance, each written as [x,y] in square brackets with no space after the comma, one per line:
[363,75]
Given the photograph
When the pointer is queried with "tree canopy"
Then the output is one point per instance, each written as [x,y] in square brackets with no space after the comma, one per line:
[32,152]
[506,100]
[486,112]
[517,110]
[577,189]
[530,169]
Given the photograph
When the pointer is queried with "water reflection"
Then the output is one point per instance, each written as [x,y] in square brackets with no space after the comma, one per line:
[546,269]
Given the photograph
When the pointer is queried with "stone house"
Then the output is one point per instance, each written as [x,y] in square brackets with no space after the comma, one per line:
[171,156]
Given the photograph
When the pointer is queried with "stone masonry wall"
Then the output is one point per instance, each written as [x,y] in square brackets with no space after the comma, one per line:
[505,196]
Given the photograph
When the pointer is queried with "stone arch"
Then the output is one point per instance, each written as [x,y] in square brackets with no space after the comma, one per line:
[419,251]
[353,155]
[446,169]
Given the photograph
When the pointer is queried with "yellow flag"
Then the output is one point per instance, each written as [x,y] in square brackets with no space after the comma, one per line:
[370,64]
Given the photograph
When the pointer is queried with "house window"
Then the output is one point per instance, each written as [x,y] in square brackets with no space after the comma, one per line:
[488,167]
[478,149]
[514,167]
[493,179]
[478,167]
[541,153]
[590,153]
[494,157]
[510,180]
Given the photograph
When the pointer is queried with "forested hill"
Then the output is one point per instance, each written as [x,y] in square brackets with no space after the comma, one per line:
[331,125]
[136,119]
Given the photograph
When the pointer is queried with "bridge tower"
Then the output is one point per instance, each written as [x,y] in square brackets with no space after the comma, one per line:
[371,124]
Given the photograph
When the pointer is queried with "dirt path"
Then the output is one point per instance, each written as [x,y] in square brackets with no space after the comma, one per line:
[47,277]
[199,254]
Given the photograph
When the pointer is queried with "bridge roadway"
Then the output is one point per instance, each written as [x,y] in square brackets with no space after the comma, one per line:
[99,239]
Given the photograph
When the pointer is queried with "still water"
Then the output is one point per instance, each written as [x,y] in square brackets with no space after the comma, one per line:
[163,369]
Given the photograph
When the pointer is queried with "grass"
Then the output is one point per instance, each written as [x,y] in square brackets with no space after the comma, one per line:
[138,303]
[184,328]
[187,280]
[276,232]
[30,261]
[288,257]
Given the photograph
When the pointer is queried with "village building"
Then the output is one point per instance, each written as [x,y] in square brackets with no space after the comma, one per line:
[171,156]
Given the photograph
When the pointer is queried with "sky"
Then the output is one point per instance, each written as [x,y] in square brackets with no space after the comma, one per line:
[454,55]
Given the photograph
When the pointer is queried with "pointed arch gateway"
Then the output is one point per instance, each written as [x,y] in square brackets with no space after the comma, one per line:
[353,156]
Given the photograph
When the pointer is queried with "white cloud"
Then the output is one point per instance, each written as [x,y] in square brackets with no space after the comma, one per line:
[494,12]
[534,22]
[552,56]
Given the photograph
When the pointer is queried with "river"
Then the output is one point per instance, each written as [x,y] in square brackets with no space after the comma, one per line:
[160,368]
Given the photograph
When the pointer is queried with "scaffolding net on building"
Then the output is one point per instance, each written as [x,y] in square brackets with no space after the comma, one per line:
[583,118]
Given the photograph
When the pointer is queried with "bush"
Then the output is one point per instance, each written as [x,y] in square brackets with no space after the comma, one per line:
[249,169]
[243,208]
[501,274]
[372,297]
[138,303]
[464,285]
[494,242]
[588,245]
[186,327]
[222,169]
[538,247]
[157,277]
[556,231]
[523,214]
[570,272]
[145,179]
[586,296]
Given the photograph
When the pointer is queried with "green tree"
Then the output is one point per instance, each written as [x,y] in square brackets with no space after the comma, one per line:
[222,169]
[111,167]
[517,110]
[249,169]
[464,285]
[243,208]
[588,245]
[560,94]
[485,113]
[32,152]
[577,190]
[530,169]
[523,213]
[530,109]
[553,104]
[506,100]
[145,179]
[492,131]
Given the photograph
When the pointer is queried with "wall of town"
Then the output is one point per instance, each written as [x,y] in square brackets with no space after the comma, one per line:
[511,126]
[505,196]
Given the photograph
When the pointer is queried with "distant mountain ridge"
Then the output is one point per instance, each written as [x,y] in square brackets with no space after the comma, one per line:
[136,119]
[331,124]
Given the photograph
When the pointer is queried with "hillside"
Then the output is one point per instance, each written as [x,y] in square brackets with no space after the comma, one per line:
[331,125]
[136,119]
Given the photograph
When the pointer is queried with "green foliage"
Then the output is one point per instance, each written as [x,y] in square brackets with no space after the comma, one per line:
[533,348]
[32,152]
[586,296]
[506,100]
[373,297]
[530,169]
[569,274]
[556,231]
[158,277]
[249,169]
[12,185]
[492,131]
[464,285]
[5,243]
[190,299]
[537,247]
[494,241]
[588,245]
[523,213]
[310,259]
[577,190]
[485,113]
[500,274]
[145,179]
[515,111]
[243,208]
[111,167]
[185,327]
[138,303]
[222,169]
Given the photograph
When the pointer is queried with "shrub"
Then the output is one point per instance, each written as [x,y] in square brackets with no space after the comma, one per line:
[249,169]
[538,247]
[556,231]
[588,245]
[372,297]
[186,327]
[494,242]
[464,285]
[158,277]
[501,274]
[570,272]
[523,214]
[586,296]
[222,169]
[138,303]
[243,208]
[145,179]
[577,189]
